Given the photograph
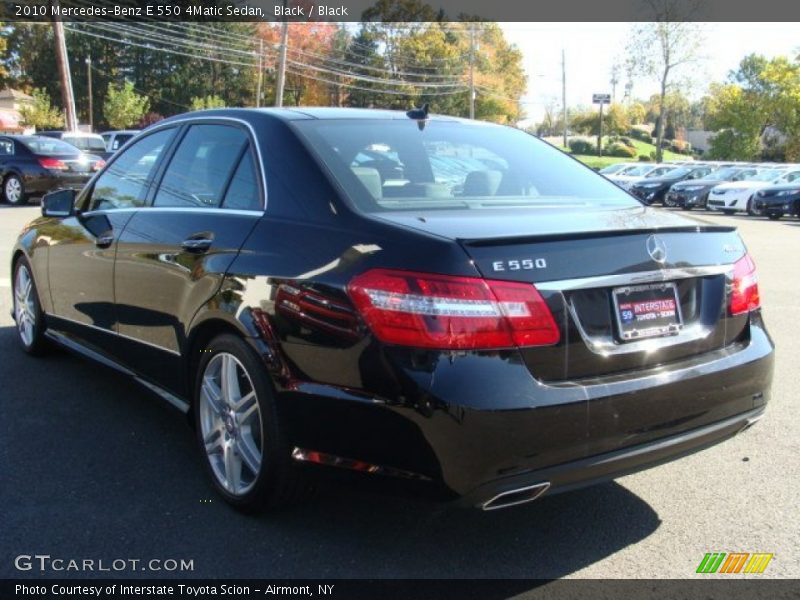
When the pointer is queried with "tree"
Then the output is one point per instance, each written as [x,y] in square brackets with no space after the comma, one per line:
[662,49]
[760,94]
[149,119]
[637,113]
[40,113]
[123,106]
[202,103]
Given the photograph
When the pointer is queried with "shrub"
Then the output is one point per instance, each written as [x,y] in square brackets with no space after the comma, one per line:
[621,150]
[644,158]
[579,146]
[626,140]
[640,134]
[680,147]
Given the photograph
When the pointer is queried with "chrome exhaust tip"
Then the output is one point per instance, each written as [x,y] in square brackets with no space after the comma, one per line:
[751,421]
[517,496]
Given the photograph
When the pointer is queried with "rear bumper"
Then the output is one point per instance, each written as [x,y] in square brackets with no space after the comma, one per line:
[44,181]
[605,467]
[479,423]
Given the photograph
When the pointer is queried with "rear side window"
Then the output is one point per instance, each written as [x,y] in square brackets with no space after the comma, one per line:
[243,193]
[201,167]
[125,183]
[6,147]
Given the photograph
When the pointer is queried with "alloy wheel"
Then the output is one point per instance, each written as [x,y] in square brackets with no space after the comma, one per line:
[24,308]
[13,190]
[231,424]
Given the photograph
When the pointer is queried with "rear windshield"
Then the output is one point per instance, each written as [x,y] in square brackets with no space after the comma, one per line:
[91,144]
[48,146]
[393,165]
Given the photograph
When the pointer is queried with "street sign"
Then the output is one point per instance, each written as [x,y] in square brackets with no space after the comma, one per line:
[601,98]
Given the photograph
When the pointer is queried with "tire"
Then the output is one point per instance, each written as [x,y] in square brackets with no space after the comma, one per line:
[14,190]
[774,216]
[751,209]
[239,432]
[28,313]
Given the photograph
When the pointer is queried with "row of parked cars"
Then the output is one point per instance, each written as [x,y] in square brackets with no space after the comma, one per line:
[770,189]
[32,165]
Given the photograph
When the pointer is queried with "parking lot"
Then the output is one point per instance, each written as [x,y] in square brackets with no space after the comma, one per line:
[94,466]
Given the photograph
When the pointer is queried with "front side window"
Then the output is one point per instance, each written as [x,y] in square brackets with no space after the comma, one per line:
[6,147]
[201,167]
[125,182]
[395,165]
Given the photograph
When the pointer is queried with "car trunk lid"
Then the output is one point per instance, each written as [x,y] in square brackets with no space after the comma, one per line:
[581,260]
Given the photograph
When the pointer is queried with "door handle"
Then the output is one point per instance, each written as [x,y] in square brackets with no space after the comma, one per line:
[197,244]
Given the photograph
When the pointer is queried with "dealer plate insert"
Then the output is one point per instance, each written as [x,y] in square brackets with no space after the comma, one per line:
[644,311]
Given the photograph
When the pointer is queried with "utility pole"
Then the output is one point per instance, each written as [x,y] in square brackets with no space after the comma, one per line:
[89,85]
[260,70]
[614,81]
[282,59]
[472,70]
[63,70]
[564,94]
[600,133]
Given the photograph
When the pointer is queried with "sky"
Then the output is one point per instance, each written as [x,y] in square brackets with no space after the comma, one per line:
[592,48]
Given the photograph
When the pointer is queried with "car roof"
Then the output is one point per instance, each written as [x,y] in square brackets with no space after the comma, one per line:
[307,113]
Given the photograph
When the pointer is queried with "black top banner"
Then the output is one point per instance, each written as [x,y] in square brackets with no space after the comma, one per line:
[388,11]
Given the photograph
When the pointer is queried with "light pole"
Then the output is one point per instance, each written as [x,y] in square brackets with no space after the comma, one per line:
[89,85]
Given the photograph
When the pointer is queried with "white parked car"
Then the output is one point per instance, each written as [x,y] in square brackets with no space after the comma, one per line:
[738,195]
[627,177]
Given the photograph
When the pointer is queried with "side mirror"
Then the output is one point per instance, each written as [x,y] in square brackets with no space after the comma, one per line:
[60,203]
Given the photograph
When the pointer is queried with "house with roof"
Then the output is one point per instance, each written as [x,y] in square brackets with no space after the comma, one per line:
[11,101]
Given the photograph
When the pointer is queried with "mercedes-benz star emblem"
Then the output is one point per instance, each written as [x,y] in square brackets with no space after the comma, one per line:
[657,249]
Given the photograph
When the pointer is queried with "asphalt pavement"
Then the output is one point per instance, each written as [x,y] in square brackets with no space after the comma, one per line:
[92,466]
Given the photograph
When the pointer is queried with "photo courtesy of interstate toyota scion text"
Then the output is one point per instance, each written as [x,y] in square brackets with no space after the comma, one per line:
[453,306]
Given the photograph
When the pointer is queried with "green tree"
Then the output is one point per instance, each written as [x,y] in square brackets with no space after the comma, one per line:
[662,49]
[760,94]
[637,113]
[123,106]
[40,113]
[204,102]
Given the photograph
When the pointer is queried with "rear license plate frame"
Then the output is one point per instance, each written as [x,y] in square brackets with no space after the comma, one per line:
[661,325]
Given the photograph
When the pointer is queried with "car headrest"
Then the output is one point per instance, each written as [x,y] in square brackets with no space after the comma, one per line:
[370,179]
[482,183]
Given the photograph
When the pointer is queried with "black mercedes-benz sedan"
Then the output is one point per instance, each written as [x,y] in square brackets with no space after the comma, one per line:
[481,316]
[654,189]
[32,165]
[776,201]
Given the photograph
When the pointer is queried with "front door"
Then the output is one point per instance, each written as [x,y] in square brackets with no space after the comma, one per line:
[83,247]
[173,254]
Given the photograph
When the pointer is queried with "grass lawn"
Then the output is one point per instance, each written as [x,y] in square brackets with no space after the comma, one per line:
[598,162]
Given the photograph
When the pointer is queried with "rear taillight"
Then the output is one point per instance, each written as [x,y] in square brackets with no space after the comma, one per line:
[53,163]
[744,295]
[451,313]
[97,165]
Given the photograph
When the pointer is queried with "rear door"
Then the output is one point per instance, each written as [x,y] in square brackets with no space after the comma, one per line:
[174,253]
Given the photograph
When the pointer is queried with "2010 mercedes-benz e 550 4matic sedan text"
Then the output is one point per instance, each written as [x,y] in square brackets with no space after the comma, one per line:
[447,303]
